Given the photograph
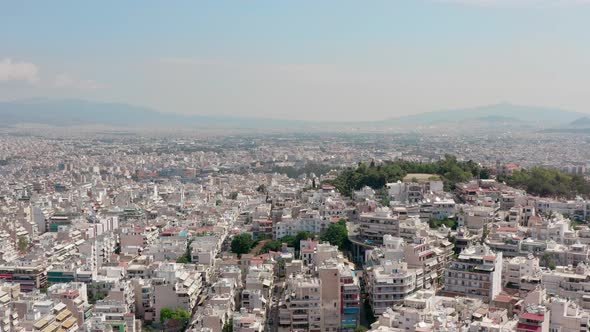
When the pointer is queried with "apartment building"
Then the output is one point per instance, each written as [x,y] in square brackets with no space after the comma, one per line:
[301,308]
[443,208]
[537,320]
[115,315]
[29,274]
[569,282]
[477,272]
[567,316]
[175,286]
[521,272]
[389,283]
[309,222]
[350,298]
[474,218]
[419,254]
[372,226]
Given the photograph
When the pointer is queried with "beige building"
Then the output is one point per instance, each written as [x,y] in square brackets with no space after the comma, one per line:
[372,226]
[567,316]
[301,309]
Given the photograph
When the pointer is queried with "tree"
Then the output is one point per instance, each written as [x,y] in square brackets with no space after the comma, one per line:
[337,235]
[233,195]
[241,244]
[23,243]
[548,261]
[549,182]
[384,194]
[261,188]
[485,233]
[228,326]
[449,169]
[360,329]
[179,315]
[272,246]
[182,259]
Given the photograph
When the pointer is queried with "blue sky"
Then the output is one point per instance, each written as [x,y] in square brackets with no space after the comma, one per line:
[350,60]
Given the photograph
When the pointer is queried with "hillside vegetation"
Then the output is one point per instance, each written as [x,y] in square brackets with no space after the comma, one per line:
[449,169]
[549,183]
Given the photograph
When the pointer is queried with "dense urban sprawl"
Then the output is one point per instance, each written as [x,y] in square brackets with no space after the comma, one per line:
[250,233]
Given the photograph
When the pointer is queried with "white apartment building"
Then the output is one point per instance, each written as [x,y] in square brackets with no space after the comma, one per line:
[578,208]
[389,283]
[175,286]
[443,208]
[521,272]
[569,282]
[311,223]
[477,272]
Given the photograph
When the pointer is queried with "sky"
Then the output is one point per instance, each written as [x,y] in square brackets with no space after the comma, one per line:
[308,60]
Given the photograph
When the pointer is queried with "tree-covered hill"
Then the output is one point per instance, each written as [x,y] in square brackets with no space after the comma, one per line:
[549,183]
[449,169]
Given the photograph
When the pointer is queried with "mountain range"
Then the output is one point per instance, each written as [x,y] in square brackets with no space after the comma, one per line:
[503,112]
[72,112]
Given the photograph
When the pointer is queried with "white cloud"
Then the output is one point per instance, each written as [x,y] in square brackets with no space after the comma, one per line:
[18,71]
[68,81]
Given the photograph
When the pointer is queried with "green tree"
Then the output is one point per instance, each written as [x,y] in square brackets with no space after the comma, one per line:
[23,243]
[449,223]
[337,234]
[548,261]
[272,246]
[549,182]
[228,326]
[182,259]
[289,240]
[179,315]
[360,329]
[241,244]
[449,169]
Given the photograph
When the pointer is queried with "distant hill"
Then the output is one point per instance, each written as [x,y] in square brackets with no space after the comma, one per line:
[73,112]
[578,126]
[583,122]
[538,116]
[498,119]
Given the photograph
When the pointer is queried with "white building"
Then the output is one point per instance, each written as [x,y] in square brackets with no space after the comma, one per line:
[477,272]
